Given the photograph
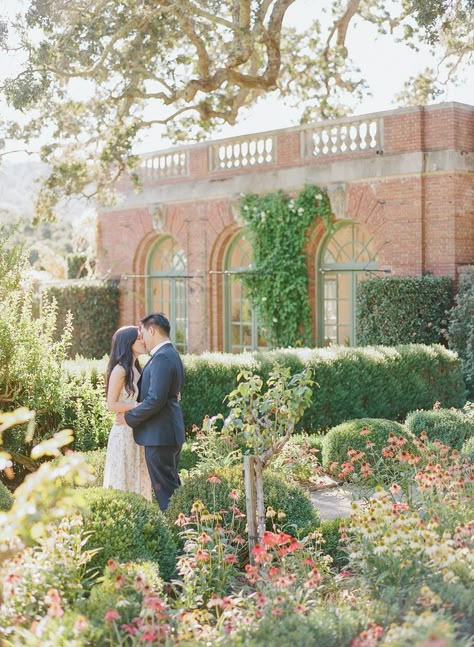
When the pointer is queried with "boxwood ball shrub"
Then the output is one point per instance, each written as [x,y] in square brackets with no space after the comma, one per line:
[338,439]
[301,517]
[127,528]
[6,499]
[450,426]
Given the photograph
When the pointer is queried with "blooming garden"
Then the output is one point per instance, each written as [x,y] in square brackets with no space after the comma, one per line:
[81,565]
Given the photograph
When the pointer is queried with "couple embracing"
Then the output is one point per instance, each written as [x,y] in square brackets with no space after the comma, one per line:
[145,442]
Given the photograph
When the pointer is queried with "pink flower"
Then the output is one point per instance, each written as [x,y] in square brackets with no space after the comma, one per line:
[364,431]
[80,625]
[234,495]
[214,479]
[230,559]
[111,615]
[112,565]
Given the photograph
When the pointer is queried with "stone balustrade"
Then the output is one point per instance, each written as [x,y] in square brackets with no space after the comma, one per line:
[242,152]
[342,136]
[157,166]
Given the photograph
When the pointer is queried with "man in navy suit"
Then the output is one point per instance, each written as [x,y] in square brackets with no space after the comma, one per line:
[157,420]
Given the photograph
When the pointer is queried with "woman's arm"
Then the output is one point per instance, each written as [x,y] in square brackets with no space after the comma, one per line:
[116,383]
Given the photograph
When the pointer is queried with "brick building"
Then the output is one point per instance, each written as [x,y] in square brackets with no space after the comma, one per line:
[402,194]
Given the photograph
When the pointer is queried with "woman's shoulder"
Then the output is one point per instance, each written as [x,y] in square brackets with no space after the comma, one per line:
[117,371]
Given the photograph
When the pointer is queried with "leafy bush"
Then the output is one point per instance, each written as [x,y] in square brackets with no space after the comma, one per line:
[468,448]
[188,458]
[332,541]
[300,515]
[96,459]
[338,439]
[78,266]
[6,499]
[353,383]
[461,327]
[403,310]
[86,411]
[322,626]
[95,309]
[127,528]
[449,426]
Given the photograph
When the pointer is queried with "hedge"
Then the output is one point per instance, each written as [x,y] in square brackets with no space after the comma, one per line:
[95,309]
[127,527]
[375,382]
[403,309]
[451,427]
[461,327]
[6,499]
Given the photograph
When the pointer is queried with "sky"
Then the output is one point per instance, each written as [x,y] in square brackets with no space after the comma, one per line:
[384,63]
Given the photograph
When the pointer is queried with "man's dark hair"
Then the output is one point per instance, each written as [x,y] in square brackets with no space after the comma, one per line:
[158,320]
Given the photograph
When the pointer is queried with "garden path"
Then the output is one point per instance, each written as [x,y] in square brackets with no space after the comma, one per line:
[332,502]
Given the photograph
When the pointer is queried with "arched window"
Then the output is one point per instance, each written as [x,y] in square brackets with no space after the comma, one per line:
[241,330]
[346,258]
[166,288]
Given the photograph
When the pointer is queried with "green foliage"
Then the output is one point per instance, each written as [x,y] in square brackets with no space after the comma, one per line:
[403,310]
[127,528]
[348,435]
[450,426]
[324,626]
[332,541]
[352,382]
[278,282]
[300,515]
[96,460]
[300,458]
[189,458]
[78,266]
[12,262]
[94,307]
[86,412]
[121,594]
[58,561]
[461,327]
[6,499]
[468,448]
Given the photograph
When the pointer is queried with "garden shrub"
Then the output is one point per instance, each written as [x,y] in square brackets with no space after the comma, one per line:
[96,459]
[324,626]
[6,499]
[95,309]
[468,448]
[461,327]
[449,426]
[86,412]
[127,528]
[338,439]
[332,541]
[300,515]
[352,383]
[78,266]
[188,458]
[403,310]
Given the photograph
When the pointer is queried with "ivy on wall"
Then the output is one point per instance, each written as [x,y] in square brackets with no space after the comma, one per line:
[278,282]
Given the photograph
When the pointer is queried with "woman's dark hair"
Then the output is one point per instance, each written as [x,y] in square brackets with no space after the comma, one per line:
[121,353]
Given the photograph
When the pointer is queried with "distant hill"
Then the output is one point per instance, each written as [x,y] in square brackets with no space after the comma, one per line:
[19,187]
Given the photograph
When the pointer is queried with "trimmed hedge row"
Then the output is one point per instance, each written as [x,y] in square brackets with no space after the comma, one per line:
[375,382]
[403,309]
[461,327]
[95,309]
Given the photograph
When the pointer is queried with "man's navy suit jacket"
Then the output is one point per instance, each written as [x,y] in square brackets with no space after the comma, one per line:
[158,420]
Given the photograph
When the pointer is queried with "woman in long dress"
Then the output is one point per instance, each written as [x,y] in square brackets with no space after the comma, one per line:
[125,466]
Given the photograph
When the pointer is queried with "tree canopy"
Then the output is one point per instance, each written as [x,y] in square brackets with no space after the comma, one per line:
[98,73]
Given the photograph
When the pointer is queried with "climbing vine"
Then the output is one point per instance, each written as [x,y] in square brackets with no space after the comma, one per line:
[278,284]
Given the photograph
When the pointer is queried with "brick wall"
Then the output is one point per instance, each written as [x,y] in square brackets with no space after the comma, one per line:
[417,200]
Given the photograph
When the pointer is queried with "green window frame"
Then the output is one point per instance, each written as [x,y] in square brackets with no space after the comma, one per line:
[241,327]
[167,288]
[346,257]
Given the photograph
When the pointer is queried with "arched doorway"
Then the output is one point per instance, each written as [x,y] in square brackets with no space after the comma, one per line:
[346,257]
[166,287]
